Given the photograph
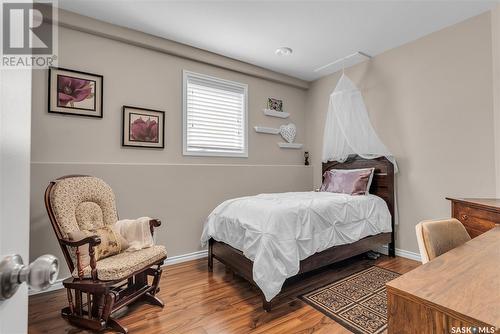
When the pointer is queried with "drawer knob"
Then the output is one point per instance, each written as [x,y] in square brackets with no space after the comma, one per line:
[465,217]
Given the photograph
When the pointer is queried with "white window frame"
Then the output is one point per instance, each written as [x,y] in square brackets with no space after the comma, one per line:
[185,75]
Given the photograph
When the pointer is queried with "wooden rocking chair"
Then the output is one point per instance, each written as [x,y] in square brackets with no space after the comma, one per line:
[81,202]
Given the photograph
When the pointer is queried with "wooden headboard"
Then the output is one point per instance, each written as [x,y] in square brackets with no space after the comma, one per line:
[383,179]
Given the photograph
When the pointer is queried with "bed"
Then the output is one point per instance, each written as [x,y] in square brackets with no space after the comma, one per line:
[267,239]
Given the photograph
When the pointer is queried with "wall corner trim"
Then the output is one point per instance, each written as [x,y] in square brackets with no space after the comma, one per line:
[85,24]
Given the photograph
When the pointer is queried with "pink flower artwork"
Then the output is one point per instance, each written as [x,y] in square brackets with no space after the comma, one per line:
[72,90]
[144,130]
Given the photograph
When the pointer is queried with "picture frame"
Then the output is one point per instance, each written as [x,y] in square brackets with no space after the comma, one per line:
[72,92]
[142,127]
[274,104]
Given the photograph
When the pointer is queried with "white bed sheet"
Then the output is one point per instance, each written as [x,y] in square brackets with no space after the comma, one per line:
[277,231]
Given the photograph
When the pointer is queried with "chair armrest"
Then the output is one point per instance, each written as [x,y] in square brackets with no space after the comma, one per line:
[92,241]
[153,223]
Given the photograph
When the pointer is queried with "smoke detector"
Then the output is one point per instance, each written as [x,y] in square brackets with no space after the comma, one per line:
[283,51]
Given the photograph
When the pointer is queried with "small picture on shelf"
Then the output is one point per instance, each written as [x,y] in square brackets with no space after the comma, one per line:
[274,104]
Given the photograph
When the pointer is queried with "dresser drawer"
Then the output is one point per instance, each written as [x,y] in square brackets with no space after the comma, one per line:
[475,220]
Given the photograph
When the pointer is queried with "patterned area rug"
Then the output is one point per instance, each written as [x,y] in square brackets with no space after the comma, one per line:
[357,302]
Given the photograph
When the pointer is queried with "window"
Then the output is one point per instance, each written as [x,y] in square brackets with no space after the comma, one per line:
[215,116]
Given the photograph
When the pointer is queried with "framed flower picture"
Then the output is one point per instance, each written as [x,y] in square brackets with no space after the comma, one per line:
[143,127]
[75,92]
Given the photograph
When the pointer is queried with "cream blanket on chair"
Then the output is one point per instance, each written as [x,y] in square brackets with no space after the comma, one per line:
[136,232]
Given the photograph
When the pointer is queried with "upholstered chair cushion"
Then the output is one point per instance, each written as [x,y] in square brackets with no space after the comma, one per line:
[121,265]
[82,203]
[436,237]
[111,243]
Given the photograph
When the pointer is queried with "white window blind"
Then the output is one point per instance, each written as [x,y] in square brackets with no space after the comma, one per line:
[215,116]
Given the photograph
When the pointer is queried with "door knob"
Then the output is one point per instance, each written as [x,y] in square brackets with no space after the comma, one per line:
[39,274]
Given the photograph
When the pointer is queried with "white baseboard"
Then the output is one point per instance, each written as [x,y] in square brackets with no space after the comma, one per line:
[186,257]
[56,286]
[401,252]
[204,253]
[168,262]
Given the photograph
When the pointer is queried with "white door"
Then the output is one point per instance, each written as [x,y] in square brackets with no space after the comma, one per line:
[15,134]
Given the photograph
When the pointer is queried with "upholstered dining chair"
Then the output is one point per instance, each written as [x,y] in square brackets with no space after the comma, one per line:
[436,237]
[82,212]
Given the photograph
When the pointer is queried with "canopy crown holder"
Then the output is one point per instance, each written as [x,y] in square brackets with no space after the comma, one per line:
[342,60]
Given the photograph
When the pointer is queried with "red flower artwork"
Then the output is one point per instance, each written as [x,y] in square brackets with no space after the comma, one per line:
[145,131]
[71,90]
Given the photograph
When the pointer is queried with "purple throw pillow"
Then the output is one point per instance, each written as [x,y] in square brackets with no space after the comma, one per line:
[348,181]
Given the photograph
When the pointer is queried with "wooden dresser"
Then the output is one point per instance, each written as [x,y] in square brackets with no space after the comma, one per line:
[477,214]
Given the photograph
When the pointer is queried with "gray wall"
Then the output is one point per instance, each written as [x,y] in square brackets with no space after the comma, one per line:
[495,44]
[160,183]
[431,103]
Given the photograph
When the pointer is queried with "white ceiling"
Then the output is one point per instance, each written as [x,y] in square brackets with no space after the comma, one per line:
[319,32]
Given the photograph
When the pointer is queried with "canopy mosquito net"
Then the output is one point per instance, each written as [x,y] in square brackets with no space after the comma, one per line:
[348,129]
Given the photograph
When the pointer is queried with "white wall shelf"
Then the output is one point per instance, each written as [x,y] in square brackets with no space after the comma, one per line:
[265,129]
[290,145]
[274,113]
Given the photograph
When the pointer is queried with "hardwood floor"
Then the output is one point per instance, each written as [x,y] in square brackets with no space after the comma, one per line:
[201,303]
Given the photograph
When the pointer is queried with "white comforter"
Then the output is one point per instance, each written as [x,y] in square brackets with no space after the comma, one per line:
[277,231]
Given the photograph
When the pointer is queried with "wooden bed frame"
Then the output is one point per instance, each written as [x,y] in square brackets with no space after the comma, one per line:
[382,186]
